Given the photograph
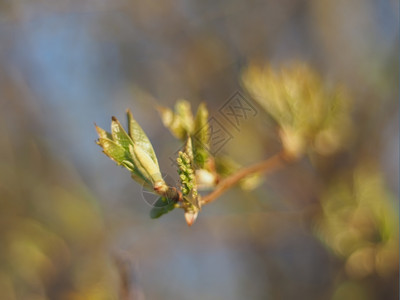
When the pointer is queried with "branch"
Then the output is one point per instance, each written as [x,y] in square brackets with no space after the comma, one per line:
[267,166]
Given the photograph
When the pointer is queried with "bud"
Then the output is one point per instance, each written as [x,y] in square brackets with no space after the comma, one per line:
[145,164]
[205,179]
[293,142]
[190,217]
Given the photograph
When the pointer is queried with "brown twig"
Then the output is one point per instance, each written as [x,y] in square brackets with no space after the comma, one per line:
[270,164]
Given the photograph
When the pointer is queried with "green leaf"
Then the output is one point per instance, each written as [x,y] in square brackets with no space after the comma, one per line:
[145,164]
[184,114]
[142,182]
[129,165]
[172,122]
[119,146]
[180,122]
[119,134]
[201,136]
[102,133]
[124,158]
[113,150]
[136,175]
[162,206]
[139,137]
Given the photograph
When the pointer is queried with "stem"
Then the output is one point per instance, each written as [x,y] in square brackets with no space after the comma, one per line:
[167,191]
[270,164]
[174,194]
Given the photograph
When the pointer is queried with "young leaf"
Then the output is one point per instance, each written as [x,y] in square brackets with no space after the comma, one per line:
[102,133]
[180,122]
[184,113]
[201,136]
[162,206]
[142,182]
[113,150]
[136,175]
[124,158]
[119,134]
[128,152]
[172,122]
[139,137]
[145,164]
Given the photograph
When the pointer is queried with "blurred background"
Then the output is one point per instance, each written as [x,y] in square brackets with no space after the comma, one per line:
[75,226]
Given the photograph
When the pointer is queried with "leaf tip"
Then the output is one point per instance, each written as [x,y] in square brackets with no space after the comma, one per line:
[129,113]
[98,129]
[203,104]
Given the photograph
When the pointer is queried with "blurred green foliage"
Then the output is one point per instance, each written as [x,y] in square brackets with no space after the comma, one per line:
[359,223]
[310,115]
[52,239]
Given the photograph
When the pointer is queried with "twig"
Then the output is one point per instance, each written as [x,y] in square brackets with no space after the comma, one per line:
[270,164]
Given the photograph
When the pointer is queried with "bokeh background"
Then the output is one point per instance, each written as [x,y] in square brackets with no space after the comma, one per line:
[75,226]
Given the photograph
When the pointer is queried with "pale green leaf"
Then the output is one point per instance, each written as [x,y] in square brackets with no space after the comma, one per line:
[102,133]
[137,175]
[124,158]
[184,114]
[141,181]
[172,122]
[113,150]
[117,146]
[119,134]
[140,138]
[145,164]
[179,122]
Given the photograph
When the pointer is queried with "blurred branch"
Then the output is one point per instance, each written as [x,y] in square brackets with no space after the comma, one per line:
[269,165]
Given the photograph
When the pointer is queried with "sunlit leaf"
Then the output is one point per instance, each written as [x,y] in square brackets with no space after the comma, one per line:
[118,150]
[184,113]
[172,122]
[119,134]
[179,122]
[140,138]
[145,164]
[102,133]
[137,175]
[113,150]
